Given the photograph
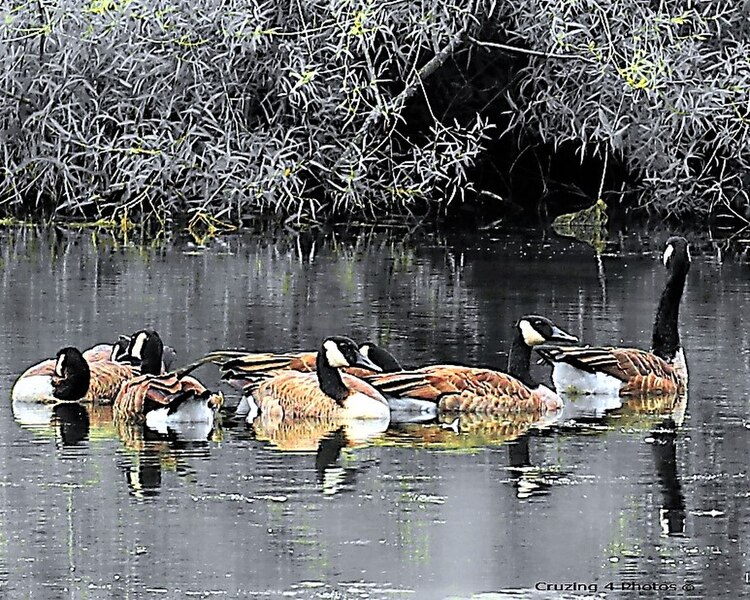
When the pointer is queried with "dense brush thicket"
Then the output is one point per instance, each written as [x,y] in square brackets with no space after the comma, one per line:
[662,89]
[329,108]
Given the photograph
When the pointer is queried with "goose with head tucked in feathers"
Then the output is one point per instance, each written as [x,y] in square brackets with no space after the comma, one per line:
[326,393]
[59,379]
[108,364]
[468,389]
[160,399]
[630,371]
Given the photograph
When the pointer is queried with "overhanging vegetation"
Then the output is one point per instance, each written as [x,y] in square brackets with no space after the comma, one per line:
[131,109]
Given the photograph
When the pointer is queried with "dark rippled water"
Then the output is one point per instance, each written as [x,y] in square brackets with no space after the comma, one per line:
[500,510]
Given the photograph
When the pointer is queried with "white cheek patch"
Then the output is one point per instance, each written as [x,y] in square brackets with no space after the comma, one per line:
[668,254]
[138,345]
[59,365]
[334,356]
[530,335]
[365,350]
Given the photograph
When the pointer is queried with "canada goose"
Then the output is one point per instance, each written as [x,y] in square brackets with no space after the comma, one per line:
[120,353]
[470,389]
[244,370]
[630,371]
[160,399]
[241,368]
[381,357]
[109,366]
[327,392]
[69,376]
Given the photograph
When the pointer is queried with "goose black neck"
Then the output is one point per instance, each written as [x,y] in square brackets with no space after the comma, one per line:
[665,340]
[151,356]
[330,380]
[519,361]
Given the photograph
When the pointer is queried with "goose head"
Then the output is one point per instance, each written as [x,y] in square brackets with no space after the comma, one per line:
[72,375]
[120,350]
[536,330]
[381,357]
[146,349]
[340,352]
[677,254]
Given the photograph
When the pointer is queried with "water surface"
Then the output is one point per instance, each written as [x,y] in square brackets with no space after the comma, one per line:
[502,509]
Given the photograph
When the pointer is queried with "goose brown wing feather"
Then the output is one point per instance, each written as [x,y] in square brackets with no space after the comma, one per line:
[358,372]
[254,363]
[294,395]
[457,388]
[647,374]
[97,353]
[138,395]
[640,371]
[100,352]
[591,360]
[357,385]
[106,379]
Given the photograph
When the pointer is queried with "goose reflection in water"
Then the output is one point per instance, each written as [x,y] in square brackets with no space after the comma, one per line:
[530,480]
[473,430]
[469,430]
[664,450]
[71,424]
[661,416]
[670,414]
[148,454]
[326,437]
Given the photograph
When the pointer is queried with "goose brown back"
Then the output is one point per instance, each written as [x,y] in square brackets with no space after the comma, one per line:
[462,389]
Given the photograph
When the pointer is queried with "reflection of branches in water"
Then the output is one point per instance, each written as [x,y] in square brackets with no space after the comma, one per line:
[361,282]
[602,278]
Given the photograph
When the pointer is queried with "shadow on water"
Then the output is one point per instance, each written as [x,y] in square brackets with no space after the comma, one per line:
[609,491]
